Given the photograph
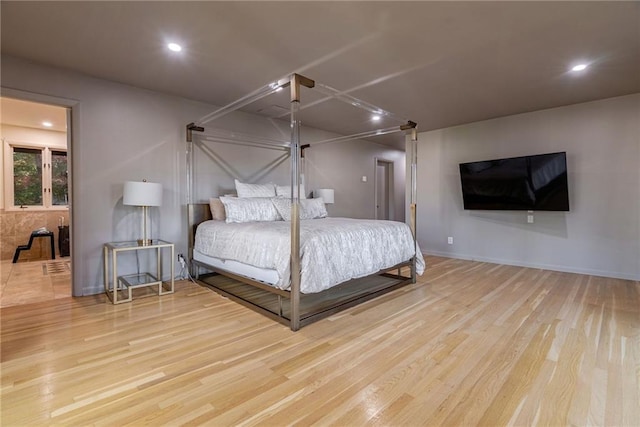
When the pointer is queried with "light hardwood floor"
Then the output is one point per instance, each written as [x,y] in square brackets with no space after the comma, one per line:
[470,344]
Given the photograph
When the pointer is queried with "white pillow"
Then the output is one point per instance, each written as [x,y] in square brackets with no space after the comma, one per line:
[309,208]
[285,191]
[249,209]
[255,190]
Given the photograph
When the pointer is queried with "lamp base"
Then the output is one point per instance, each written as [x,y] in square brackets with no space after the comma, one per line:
[145,242]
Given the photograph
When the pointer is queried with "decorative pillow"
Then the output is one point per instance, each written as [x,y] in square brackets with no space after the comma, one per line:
[217,209]
[283,206]
[285,191]
[249,209]
[309,208]
[255,190]
[314,208]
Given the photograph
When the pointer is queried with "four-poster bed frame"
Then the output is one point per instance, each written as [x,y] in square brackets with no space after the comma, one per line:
[319,307]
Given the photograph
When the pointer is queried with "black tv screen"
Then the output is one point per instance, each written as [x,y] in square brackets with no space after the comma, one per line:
[535,183]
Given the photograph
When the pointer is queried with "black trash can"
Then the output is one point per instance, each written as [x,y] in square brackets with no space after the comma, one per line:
[63,240]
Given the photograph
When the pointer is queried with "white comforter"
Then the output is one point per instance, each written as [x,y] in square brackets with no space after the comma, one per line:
[332,250]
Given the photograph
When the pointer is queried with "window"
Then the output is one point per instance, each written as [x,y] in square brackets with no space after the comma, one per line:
[59,189]
[36,177]
[27,176]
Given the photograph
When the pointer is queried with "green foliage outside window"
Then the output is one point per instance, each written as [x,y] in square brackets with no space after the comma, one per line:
[27,177]
[60,195]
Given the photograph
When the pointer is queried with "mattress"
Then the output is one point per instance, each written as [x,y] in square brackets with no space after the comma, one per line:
[332,250]
[265,275]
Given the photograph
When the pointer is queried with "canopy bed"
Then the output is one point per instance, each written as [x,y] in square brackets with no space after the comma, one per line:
[282,256]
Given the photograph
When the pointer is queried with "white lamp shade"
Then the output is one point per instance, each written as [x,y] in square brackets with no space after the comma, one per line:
[142,193]
[325,193]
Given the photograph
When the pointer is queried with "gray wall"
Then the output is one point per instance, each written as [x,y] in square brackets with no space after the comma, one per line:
[123,133]
[601,233]
[349,162]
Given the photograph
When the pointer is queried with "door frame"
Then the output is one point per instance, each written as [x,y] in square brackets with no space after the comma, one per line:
[73,121]
[389,165]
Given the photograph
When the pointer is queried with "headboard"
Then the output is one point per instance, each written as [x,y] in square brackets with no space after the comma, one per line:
[197,213]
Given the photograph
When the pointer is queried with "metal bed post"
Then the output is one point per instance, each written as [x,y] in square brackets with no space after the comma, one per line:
[414,183]
[295,214]
[296,82]
[190,191]
[189,171]
[191,127]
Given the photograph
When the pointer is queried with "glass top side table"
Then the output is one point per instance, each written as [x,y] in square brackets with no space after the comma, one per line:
[119,287]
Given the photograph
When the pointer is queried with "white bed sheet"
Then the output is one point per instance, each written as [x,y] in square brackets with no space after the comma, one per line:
[333,250]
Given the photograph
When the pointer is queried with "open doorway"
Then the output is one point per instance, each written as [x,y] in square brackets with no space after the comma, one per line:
[384,189]
[35,253]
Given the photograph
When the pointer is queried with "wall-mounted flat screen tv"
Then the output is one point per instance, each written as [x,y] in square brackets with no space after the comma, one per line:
[535,183]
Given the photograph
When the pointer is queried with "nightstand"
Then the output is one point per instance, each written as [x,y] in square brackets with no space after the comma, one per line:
[118,287]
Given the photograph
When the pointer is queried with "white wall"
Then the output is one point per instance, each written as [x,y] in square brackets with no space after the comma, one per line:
[123,133]
[601,233]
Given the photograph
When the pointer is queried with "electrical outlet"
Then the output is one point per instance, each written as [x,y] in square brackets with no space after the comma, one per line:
[364,178]
[450,240]
[181,260]
[530,219]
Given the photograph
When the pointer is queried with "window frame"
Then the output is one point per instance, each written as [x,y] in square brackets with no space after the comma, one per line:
[47,197]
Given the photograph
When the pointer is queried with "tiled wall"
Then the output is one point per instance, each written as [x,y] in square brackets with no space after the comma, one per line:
[16,227]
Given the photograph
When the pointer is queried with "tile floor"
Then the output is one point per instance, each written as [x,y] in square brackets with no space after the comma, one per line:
[34,281]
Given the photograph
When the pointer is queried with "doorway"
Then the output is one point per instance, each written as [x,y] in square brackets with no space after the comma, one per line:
[384,194]
[35,201]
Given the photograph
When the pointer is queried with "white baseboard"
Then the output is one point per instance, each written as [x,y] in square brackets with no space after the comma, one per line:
[562,268]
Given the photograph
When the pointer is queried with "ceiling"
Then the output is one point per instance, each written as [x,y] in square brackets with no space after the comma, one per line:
[32,115]
[439,64]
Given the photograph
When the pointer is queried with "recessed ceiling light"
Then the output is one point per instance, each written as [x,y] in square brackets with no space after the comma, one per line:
[174,47]
[579,67]
[47,124]
[375,117]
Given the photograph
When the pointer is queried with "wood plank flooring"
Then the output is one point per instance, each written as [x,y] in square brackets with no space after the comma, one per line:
[469,344]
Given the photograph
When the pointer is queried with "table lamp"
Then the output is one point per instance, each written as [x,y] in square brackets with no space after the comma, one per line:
[143,194]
